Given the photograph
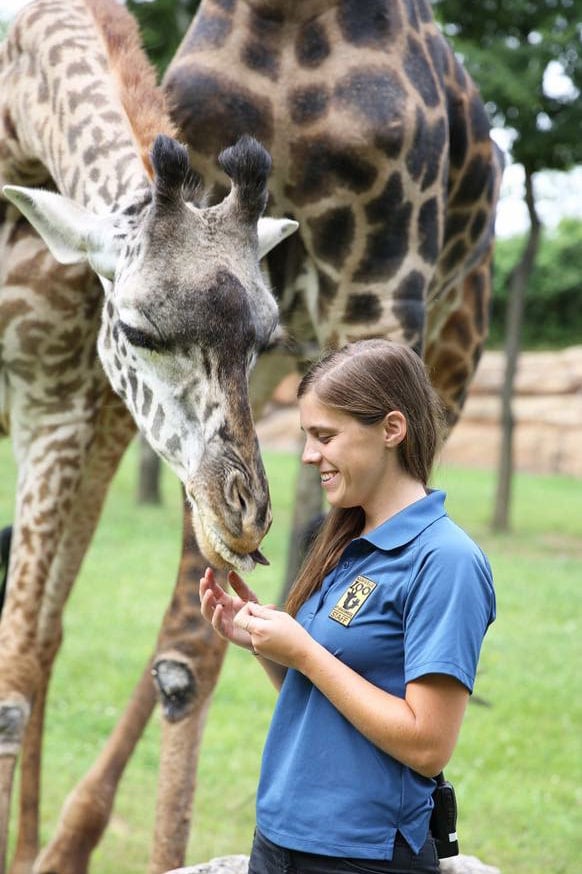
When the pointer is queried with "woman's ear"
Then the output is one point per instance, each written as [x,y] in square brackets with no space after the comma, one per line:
[394,428]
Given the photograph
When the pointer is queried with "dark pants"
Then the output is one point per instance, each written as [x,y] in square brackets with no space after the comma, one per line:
[268,858]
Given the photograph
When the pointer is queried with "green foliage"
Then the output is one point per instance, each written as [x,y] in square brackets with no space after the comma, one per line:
[163,23]
[553,303]
[514,767]
[507,48]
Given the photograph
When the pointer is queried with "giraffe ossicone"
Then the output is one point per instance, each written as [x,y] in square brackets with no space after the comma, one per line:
[186,313]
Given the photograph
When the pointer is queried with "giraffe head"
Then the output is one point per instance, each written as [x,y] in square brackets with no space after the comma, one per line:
[186,314]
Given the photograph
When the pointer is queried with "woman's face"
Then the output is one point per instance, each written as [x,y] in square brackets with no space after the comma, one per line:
[355,466]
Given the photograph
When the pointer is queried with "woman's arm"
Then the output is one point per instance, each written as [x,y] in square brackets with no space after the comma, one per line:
[420,730]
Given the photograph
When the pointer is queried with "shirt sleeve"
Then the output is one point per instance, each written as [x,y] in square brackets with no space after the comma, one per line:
[449,606]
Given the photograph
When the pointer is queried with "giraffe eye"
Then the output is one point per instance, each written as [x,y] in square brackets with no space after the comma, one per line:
[139,338]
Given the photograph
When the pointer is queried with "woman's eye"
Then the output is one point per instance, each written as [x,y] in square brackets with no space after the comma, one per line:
[139,338]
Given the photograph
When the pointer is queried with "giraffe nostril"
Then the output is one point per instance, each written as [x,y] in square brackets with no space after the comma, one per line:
[237,495]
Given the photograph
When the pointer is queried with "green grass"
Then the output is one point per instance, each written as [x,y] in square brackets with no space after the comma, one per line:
[516,768]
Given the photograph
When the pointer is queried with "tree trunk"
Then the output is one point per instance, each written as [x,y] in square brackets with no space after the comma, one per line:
[517,286]
[148,484]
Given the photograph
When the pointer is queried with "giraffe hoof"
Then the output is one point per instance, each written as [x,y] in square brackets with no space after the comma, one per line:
[177,688]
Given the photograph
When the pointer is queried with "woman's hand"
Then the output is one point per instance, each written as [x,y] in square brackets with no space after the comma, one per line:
[274,634]
[219,608]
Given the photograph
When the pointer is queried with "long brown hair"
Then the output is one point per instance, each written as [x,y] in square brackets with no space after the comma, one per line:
[367,380]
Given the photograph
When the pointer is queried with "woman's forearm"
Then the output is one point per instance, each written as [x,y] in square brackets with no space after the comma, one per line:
[419,731]
[275,672]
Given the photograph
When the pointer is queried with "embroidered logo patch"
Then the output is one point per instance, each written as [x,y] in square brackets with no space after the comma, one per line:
[352,599]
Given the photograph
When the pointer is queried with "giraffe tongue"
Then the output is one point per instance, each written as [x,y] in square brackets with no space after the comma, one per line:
[258,557]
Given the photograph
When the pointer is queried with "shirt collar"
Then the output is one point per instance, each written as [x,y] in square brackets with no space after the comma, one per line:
[408,523]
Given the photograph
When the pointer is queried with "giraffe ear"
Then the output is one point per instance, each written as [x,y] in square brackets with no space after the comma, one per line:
[272,231]
[72,233]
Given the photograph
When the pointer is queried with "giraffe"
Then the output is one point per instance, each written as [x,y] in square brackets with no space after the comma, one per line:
[147,309]
[382,152]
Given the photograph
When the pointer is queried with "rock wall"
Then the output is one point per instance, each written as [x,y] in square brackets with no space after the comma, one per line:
[547,408]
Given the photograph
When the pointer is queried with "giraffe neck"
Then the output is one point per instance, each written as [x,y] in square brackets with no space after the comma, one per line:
[72,114]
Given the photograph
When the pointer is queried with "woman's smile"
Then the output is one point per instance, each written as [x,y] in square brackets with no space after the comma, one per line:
[327,477]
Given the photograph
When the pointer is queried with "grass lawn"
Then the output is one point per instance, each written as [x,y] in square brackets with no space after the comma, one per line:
[517,768]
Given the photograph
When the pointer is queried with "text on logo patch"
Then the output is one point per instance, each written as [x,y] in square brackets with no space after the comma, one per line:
[352,599]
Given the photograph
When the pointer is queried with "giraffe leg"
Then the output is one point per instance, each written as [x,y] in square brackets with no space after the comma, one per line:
[54,565]
[186,667]
[30,770]
[36,536]
[87,809]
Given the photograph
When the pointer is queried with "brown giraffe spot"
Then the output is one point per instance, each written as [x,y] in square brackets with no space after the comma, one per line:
[173,444]
[376,96]
[327,292]
[409,308]
[261,59]
[476,289]
[456,225]
[428,230]
[425,11]
[478,225]
[307,104]
[312,45]
[412,16]
[147,400]
[480,127]
[475,180]
[374,23]
[458,141]
[323,167]
[457,332]
[420,72]
[437,50]
[387,246]
[454,254]
[213,112]
[460,74]
[428,146]
[209,31]
[333,234]
[8,124]
[362,307]
[159,419]
[261,51]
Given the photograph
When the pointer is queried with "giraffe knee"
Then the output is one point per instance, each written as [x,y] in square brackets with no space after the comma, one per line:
[14,714]
[176,686]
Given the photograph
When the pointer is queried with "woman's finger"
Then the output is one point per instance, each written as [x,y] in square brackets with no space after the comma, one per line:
[262,610]
[242,618]
[241,588]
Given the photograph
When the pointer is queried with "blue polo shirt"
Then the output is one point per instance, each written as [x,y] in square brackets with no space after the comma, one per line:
[413,597]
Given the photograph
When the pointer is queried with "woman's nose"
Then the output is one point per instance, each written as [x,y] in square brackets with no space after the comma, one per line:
[311,454]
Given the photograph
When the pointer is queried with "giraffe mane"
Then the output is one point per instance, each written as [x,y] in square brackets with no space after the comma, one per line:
[142,98]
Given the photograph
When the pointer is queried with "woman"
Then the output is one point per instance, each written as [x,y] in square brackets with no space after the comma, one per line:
[376,653]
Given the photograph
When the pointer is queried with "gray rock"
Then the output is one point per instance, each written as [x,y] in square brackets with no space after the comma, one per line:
[466,865]
[222,865]
[240,864]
